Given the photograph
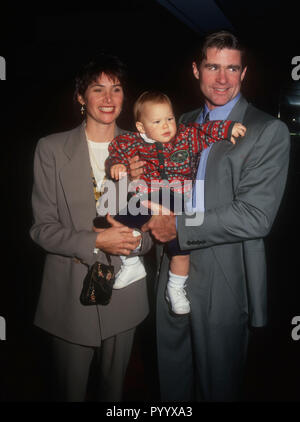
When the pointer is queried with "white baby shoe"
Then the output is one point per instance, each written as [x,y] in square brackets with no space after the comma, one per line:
[176,297]
[131,270]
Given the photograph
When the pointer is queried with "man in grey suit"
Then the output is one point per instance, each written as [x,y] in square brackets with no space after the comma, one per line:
[201,356]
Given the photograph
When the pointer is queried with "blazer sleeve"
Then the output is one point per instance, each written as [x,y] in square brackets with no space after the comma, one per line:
[48,231]
[257,196]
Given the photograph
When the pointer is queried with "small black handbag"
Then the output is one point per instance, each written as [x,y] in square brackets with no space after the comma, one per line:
[98,284]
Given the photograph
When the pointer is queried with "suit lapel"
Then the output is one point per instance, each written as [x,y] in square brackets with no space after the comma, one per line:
[217,151]
[76,180]
[190,117]
[238,112]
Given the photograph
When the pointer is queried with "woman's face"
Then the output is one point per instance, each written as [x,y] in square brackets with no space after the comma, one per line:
[103,100]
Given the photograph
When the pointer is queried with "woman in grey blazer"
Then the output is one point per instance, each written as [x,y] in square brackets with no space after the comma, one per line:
[68,174]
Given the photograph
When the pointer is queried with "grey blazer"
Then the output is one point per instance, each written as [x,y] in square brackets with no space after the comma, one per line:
[244,184]
[63,209]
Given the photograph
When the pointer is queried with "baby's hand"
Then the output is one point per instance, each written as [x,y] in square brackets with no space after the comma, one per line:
[237,130]
[118,171]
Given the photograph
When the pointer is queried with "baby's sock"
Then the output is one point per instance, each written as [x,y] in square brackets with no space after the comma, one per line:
[176,280]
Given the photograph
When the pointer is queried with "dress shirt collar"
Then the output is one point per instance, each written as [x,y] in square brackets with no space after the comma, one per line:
[222,112]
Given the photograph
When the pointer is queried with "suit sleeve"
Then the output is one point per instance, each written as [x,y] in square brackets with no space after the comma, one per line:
[48,230]
[146,245]
[251,212]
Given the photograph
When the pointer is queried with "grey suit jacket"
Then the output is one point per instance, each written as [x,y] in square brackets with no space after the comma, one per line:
[63,209]
[244,184]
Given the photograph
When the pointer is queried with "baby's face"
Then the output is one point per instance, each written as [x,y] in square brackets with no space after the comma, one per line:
[158,121]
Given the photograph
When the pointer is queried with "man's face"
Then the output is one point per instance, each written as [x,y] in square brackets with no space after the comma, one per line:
[220,76]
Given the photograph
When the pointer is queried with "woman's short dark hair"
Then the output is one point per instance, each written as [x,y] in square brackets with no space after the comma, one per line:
[220,40]
[106,63]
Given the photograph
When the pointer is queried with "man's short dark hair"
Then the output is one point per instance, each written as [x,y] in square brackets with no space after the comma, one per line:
[220,40]
[106,63]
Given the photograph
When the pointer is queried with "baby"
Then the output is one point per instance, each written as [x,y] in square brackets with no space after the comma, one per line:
[169,153]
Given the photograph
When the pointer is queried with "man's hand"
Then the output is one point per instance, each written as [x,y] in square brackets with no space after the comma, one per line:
[117,240]
[136,167]
[162,225]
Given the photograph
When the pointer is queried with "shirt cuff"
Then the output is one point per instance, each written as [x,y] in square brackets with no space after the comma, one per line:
[135,234]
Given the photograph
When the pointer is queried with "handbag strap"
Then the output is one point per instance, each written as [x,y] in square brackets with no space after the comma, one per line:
[88,265]
[108,258]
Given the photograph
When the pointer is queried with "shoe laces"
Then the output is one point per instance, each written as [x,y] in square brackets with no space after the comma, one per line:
[178,291]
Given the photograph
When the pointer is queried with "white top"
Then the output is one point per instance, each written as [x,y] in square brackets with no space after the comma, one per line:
[98,153]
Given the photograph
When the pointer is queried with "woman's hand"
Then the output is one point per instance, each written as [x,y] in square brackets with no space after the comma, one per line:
[117,240]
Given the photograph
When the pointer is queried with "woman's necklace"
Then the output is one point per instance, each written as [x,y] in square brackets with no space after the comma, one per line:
[98,190]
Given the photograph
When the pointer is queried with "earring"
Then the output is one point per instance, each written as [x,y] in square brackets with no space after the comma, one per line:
[82,110]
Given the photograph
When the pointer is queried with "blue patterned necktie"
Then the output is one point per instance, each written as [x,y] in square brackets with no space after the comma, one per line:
[199,176]
[206,118]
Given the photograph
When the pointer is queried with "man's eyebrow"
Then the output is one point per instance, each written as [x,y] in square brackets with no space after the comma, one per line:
[234,66]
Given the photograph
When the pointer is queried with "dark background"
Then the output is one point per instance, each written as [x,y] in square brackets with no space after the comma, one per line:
[43,50]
